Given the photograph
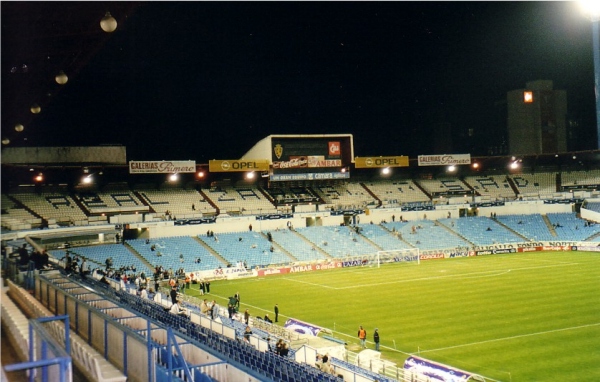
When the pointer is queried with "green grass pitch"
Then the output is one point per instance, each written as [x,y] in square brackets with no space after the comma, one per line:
[517,317]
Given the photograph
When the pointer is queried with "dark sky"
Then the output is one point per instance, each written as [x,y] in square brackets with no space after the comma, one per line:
[206,80]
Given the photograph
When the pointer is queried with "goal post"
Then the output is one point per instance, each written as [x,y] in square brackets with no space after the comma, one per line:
[411,255]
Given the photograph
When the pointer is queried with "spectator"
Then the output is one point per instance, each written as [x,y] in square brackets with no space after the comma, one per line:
[376,339]
[247,334]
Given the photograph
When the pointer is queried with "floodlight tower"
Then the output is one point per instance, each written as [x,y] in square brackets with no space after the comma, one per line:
[592,11]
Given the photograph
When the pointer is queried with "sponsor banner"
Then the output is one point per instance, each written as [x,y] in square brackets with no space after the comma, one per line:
[225,273]
[293,162]
[443,160]
[379,162]
[161,167]
[431,256]
[309,176]
[335,149]
[302,327]
[319,161]
[541,244]
[495,251]
[299,268]
[238,165]
[529,249]
[434,371]
[586,248]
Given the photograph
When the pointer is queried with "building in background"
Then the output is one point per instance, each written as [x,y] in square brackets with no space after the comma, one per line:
[537,119]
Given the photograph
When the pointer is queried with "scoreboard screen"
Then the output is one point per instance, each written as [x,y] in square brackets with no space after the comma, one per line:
[310,158]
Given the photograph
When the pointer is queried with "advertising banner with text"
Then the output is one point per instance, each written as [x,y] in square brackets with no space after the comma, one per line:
[380,162]
[161,167]
[238,165]
[444,160]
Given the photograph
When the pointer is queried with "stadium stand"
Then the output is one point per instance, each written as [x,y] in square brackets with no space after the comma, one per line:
[396,192]
[535,186]
[55,206]
[15,217]
[492,187]
[534,227]
[338,242]
[296,246]
[580,178]
[475,230]
[176,252]
[97,255]
[242,199]
[384,238]
[253,248]
[444,186]
[569,227]
[178,202]
[345,195]
[426,235]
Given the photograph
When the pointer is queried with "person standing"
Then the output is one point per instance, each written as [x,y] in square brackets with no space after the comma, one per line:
[362,336]
[376,339]
[214,310]
[173,294]
[207,286]
[84,269]
[276,309]
[202,287]
[237,300]
[246,317]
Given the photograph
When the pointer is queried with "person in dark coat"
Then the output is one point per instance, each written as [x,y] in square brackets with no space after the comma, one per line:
[174,294]
[276,309]
[376,339]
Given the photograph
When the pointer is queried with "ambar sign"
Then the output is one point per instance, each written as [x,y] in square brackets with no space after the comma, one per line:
[238,165]
[380,162]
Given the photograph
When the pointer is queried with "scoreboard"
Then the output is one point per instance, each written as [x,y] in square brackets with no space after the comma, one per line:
[311,157]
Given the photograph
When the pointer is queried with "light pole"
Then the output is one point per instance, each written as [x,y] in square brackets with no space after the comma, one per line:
[596,44]
[592,10]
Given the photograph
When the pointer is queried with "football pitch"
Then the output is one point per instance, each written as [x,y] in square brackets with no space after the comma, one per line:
[515,317]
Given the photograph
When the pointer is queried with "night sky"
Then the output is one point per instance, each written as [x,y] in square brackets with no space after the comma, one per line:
[198,80]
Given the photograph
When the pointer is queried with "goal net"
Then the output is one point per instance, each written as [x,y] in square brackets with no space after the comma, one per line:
[411,255]
[383,257]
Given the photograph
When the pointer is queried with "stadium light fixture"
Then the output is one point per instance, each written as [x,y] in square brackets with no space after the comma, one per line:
[475,165]
[5,141]
[386,171]
[108,23]
[200,174]
[250,175]
[514,165]
[174,177]
[61,78]
[19,127]
[39,177]
[451,168]
[35,109]
[87,179]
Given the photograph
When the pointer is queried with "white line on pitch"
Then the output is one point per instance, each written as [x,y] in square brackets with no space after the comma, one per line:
[511,338]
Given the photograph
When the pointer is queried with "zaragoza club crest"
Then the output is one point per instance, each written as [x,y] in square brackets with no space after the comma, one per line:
[278,149]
